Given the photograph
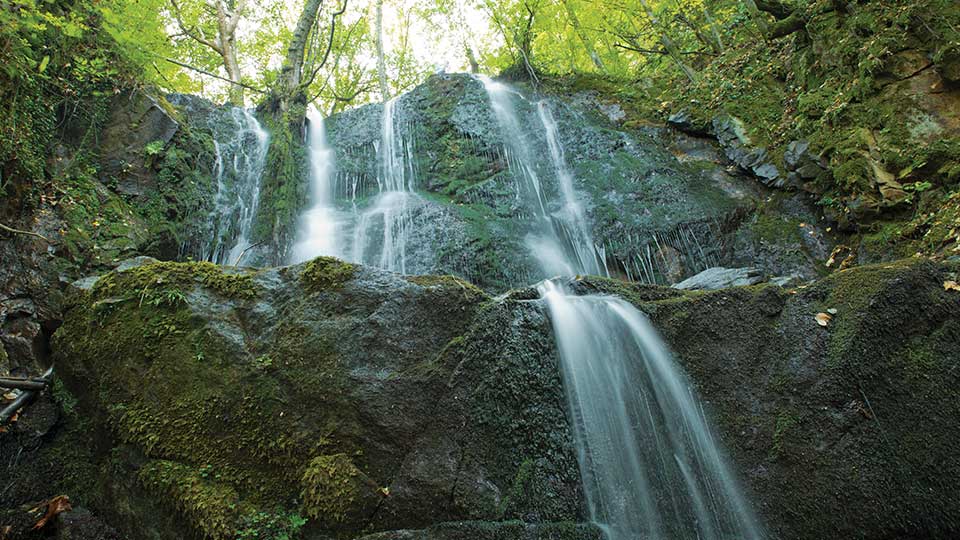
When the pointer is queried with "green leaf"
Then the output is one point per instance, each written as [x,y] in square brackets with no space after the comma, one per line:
[43,64]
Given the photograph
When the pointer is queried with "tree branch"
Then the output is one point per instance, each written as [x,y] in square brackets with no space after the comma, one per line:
[191,32]
[326,54]
[27,233]
[214,75]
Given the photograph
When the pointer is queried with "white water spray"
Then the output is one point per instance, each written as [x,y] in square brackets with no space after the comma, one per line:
[571,217]
[651,469]
[560,243]
[382,230]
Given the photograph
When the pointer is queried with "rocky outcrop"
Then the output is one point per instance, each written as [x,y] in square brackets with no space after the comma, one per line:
[137,120]
[356,398]
[356,401]
[715,278]
[655,216]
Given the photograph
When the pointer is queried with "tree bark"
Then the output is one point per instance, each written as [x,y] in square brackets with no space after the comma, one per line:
[224,44]
[587,44]
[291,71]
[471,58]
[228,17]
[757,16]
[381,57]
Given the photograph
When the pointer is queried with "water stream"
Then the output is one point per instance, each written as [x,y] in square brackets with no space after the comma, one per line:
[559,241]
[321,225]
[241,153]
[381,230]
[651,468]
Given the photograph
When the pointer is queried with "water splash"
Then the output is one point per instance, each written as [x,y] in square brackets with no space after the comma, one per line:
[321,224]
[649,464]
[241,153]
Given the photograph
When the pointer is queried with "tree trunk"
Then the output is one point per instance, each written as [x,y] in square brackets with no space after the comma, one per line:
[472,59]
[381,58]
[227,19]
[291,71]
[668,44]
[587,44]
[758,17]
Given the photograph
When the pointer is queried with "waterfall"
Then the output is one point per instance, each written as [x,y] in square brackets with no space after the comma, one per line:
[241,152]
[571,220]
[319,225]
[381,231]
[649,464]
[559,242]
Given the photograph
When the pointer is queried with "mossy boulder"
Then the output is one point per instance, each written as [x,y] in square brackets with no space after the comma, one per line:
[842,431]
[341,396]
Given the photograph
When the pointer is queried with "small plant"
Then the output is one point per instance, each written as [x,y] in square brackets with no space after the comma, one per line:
[264,361]
[154,148]
[270,526]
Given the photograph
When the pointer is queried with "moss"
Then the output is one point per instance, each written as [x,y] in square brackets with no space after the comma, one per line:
[211,507]
[468,291]
[331,487]
[326,273]
[150,281]
[785,422]
[775,229]
[283,186]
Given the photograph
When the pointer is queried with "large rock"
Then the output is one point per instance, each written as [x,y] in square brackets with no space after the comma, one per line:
[357,398]
[367,402]
[653,217]
[137,120]
[715,278]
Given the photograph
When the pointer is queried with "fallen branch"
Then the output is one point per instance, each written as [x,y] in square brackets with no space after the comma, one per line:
[22,384]
[28,233]
[244,252]
[24,398]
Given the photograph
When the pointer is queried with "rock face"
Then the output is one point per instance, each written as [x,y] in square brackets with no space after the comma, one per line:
[357,398]
[136,120]
[652,216]
[360,402]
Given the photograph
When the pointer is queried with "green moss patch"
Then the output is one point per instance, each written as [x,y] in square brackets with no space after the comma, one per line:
[324,273]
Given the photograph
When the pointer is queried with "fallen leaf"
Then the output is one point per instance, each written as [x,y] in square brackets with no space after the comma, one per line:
[823,319]
[951,286]
[56,505]
[4,531]
[10,396]
[832,311]
[385,491]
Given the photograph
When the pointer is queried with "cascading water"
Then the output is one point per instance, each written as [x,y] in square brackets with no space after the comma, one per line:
[560,242]
[381,230]
[320,225]
[649,464]
[241,152]
[570,219]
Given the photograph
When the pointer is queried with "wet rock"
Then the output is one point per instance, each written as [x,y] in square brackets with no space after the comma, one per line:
[136,120]
[393,405]
[683,121]
[485,530]
[732,135]
[721,278]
